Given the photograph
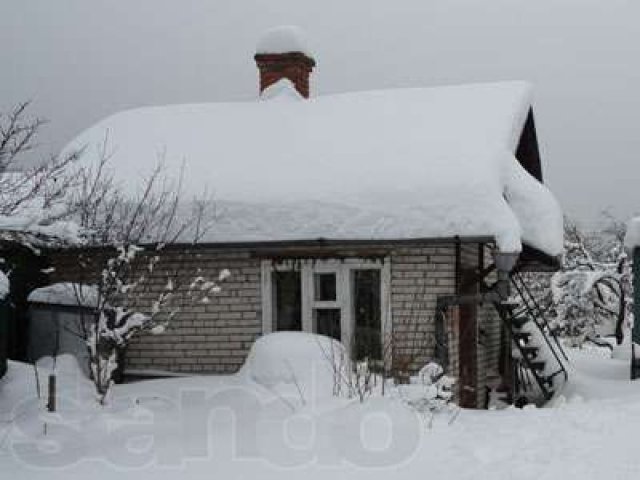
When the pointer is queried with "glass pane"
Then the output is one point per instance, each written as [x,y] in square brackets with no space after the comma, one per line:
[327,322]
[367,314]
[288,300]
[324,286]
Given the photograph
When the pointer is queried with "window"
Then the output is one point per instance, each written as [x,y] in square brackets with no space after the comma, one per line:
[324,286]
[327,322]
[367,314]
[287,299]
[343,299]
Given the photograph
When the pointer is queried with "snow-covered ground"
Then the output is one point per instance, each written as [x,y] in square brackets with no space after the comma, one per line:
[256,425]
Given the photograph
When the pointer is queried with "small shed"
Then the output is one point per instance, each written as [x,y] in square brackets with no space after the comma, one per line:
[60,315]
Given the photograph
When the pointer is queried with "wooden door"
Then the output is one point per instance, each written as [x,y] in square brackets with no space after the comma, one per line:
[468,356]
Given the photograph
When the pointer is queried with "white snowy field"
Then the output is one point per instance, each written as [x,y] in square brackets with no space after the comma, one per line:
[233,427]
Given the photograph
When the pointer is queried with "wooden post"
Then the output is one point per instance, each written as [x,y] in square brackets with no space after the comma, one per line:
[635,333]
[51,403]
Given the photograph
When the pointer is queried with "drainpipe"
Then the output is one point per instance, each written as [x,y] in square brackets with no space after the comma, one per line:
[504,262]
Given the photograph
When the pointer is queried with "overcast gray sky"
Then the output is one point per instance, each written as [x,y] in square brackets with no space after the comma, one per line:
[81,60]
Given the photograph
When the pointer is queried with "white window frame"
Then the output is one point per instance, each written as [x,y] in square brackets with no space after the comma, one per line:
[344,301]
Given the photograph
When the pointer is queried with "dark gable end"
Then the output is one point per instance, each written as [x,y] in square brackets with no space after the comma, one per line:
[528,152]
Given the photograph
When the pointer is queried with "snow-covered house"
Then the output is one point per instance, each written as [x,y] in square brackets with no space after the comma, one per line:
[388,219]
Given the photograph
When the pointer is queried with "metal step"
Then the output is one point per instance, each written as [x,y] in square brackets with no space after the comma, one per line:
[530,332]
[519,322]
[523,337]
[530,352]
[537,366]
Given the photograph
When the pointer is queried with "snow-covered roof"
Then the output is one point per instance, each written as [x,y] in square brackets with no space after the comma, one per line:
[390,164]
[36,225]
[283,39]
[36,219]
[66,294]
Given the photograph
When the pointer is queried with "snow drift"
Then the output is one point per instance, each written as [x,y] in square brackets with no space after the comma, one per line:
[297,363]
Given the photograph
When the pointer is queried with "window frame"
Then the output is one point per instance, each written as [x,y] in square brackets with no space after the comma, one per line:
[344,292]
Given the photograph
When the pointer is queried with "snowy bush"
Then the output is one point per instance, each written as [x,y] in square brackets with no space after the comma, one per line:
[121,314]
[133,231]
[591,295]
[430,390]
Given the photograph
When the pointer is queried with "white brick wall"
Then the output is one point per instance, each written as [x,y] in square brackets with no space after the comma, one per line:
[216,337]
[419,275]
[202,338]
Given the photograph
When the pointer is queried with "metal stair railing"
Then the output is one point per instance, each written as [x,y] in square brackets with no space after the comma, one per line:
[538,314]
[522,376]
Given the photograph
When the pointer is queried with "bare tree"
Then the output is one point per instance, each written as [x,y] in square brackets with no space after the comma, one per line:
[125,304]
[133,232]
[157,213]
[32,206]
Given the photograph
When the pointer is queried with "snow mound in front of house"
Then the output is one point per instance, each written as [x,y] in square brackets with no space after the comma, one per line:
[377,165]
[24,391]
[301,364]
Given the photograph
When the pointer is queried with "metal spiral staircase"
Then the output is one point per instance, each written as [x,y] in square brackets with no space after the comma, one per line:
[539,369]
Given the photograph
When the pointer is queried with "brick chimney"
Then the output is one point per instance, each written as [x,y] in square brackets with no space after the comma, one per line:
[282,53]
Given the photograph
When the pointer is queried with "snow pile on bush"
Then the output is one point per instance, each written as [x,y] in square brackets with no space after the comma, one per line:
[428,391]
[296,363]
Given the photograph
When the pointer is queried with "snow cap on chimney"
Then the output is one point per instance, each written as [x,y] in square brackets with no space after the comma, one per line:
[283,53]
